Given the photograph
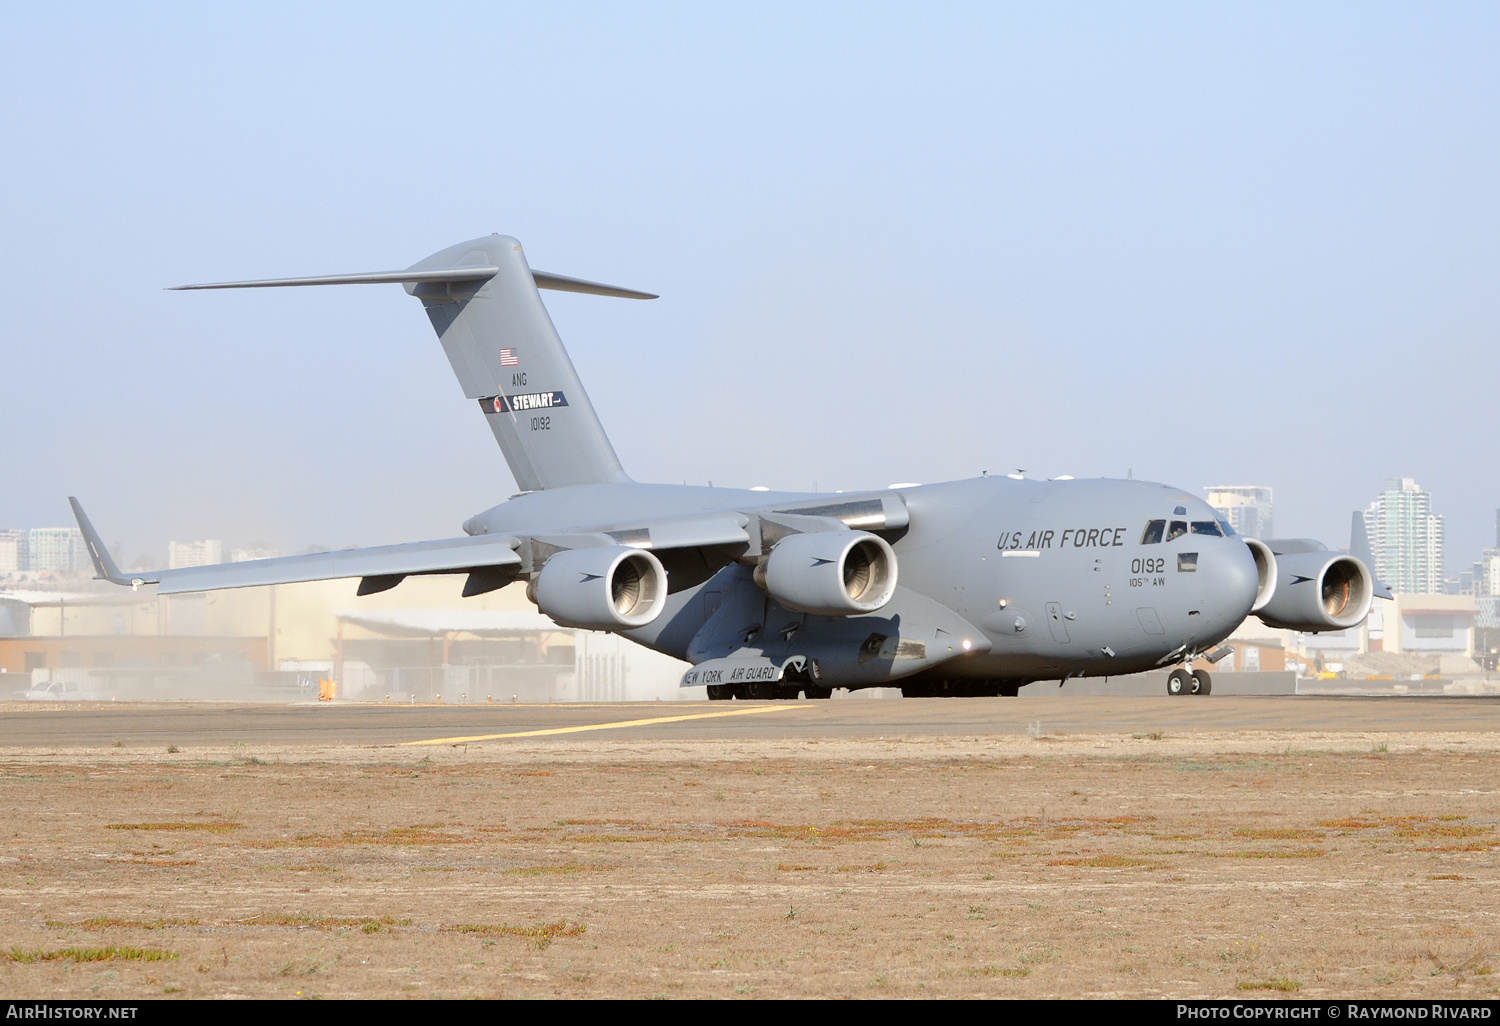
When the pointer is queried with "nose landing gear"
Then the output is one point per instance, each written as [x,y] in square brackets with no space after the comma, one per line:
[1183,681]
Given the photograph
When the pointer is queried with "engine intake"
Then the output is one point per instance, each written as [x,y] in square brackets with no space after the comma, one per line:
[1265,573]
[1318,591]
[603,589]
[832,573]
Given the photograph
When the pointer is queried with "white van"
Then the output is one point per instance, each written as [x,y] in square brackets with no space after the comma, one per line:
[62,691]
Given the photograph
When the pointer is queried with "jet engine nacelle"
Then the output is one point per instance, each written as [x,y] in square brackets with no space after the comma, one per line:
[603,589]
[832,573]
[1318,591]
[1265,573]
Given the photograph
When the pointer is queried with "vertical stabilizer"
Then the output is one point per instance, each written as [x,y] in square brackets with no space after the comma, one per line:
[1359,548]
[1359,541]
[509,358]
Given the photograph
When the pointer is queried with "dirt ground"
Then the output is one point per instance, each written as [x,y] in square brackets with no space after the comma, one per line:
[1227,865]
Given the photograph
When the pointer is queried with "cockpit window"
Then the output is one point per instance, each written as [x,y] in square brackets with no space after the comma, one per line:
[1210,527]
[1228,531]
[1177,530]
[1152,534]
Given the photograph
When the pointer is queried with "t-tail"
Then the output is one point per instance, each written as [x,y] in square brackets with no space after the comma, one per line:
[482,299]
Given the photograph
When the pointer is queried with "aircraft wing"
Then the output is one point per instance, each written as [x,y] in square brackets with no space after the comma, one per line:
[491,560]
[381,567]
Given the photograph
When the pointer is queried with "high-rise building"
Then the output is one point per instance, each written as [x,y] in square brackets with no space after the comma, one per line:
[1468,582]
[1406,539]
[12,551]
[196,553]
[59,549]
[1248,508]
[1489,565]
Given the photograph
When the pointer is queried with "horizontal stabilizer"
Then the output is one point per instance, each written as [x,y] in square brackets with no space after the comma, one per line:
[369,278]
[544,280]
[562,283]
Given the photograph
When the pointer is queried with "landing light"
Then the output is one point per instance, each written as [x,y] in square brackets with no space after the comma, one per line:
[968,644]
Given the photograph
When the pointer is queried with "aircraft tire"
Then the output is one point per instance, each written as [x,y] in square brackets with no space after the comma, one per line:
[816,693]
[1179,682]
[760,690]
[720,692]
[1203,684]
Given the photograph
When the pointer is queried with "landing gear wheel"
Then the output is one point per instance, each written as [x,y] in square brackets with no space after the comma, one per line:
[720,692]
[1203,684]
[814,692]
[760,690]
[1179,682]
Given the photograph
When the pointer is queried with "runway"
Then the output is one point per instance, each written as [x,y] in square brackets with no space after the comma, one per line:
[33,725]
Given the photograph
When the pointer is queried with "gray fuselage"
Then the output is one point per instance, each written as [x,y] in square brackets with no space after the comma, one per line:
[1061,577]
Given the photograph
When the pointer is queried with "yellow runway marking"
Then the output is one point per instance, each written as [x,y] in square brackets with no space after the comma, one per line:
[608,726]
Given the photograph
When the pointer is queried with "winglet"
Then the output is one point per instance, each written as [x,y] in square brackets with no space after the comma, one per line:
[104,564]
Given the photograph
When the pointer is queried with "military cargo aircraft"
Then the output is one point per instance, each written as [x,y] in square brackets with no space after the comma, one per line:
[973,587]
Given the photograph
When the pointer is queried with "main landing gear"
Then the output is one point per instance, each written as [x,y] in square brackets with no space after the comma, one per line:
[1183,681]
[788,691]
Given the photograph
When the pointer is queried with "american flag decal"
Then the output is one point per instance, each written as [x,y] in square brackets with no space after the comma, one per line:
[508,358]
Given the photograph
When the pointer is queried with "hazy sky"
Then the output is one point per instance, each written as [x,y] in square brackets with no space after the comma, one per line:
[1209,243]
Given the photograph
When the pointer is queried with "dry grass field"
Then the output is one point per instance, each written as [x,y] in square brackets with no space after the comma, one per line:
[1228,865]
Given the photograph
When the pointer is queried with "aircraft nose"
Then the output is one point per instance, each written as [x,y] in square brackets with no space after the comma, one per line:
[1229,581]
